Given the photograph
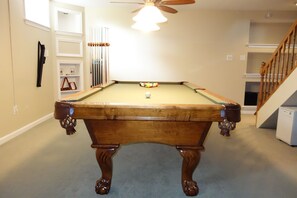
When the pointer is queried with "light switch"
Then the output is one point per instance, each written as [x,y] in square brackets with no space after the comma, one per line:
[242,57]
[229,57]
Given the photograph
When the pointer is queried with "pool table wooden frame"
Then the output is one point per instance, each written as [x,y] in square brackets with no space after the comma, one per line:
[184,126]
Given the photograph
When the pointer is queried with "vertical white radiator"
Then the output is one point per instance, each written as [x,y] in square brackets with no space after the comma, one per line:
[99,54]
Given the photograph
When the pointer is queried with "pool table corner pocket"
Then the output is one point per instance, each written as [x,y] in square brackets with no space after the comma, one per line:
[230,115]
[64,113]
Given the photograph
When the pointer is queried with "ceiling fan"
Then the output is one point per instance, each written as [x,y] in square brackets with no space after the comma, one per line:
[161,4]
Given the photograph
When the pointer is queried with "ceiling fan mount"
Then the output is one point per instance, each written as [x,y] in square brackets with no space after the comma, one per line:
[161,4]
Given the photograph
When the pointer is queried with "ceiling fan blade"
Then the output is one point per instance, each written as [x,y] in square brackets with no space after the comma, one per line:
[157,1]
[177,2]
[167,9]
[137,10]
[127,2]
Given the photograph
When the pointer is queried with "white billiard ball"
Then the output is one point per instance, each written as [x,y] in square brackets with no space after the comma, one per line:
[147,94]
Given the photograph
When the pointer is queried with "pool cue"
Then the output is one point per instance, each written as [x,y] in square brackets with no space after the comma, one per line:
[107,64]
[97,58]
[101,56]
[92,60]
[105,57]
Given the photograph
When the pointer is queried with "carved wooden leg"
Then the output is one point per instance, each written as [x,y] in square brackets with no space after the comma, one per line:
[191,158]
[226,126]
[104,157]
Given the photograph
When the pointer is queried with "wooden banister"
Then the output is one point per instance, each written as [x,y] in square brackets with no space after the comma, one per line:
[281,64]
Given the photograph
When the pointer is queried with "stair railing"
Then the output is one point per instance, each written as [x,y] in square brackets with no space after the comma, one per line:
[281,64]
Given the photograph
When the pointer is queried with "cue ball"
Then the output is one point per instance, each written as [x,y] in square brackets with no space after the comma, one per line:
[148,94]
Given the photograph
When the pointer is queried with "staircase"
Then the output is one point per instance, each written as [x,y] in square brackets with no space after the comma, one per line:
[278,81]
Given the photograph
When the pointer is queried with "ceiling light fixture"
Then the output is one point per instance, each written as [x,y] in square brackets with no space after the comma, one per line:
[145,27]
[148,17]
[150,13]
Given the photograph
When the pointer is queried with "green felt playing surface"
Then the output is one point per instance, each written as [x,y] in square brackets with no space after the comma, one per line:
[163,94]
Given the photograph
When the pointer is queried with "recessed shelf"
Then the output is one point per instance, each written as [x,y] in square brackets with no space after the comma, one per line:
[68,21]
[73,76]
[70,77]
[69,38]
[261,45]
[252,77]
[263,42]
[69,47]
[262,48]
[70,91]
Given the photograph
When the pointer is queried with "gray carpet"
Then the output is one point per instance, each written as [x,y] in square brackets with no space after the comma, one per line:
[44,162]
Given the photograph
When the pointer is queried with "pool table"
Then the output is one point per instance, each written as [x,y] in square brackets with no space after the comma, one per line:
[178,114]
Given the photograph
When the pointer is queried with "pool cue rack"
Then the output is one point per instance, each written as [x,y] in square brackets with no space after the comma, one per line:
[99,56]
[98,44]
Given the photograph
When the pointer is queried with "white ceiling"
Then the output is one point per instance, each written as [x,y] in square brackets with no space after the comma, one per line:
[204,4]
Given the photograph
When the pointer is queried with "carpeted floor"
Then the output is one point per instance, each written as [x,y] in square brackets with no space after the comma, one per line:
[45,163]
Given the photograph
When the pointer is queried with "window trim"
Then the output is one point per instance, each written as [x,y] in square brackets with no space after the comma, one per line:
[37,25]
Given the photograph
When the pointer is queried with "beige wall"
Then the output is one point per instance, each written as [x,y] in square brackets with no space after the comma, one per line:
[18,70]
[191,46]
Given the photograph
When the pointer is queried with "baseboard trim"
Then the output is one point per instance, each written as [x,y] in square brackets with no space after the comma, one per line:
[24,129]
[248,109]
